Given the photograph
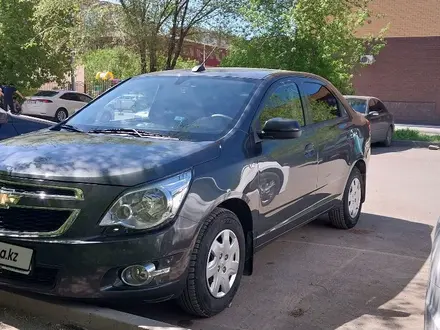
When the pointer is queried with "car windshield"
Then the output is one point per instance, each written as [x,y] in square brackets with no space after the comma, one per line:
[359,105]
[184,107]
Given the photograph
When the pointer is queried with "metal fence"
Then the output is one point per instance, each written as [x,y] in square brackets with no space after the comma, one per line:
[92,88]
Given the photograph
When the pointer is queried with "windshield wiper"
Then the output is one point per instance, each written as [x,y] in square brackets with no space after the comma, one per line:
[71,128]
[131,131]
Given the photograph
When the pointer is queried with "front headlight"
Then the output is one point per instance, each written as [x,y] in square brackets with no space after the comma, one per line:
[150,206]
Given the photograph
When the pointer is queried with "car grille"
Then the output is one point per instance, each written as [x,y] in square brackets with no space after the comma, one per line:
[24,209]
[41,276]
[18,219]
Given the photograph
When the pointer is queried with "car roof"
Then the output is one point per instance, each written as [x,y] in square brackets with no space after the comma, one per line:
[243,73]
[361,97]
[59,92]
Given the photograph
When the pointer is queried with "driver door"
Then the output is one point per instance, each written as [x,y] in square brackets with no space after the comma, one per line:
[287,168]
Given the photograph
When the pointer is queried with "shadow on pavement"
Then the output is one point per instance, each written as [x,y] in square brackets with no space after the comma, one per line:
[377,148]
[319,277]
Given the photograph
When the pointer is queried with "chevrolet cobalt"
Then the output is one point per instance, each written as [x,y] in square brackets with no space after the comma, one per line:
[174,204]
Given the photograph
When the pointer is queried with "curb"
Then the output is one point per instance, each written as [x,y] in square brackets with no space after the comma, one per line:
[414,144]
[81,315]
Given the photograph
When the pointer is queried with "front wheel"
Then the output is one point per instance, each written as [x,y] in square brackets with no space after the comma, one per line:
[347,214]
[216,265]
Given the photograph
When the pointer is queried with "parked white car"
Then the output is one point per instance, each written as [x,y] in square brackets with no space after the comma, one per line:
[56,105]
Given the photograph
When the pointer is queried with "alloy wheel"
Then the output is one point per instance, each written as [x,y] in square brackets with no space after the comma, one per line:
[61,115]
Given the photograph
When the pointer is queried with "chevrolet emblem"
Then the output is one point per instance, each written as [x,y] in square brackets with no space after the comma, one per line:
[7,198]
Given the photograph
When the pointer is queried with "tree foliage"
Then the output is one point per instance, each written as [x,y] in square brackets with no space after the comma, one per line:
[122,62]
[315,36]
[160,27]
[26,60]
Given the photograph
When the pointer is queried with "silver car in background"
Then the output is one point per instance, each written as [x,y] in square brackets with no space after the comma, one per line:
[381,120]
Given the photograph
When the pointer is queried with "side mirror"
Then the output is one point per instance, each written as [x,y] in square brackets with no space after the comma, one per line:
[281,128]
[373,113]
[3,117]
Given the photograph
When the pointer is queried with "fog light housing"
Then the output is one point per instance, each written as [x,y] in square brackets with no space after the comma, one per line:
[138,275]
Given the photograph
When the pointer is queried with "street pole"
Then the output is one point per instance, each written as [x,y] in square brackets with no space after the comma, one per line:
[72,71]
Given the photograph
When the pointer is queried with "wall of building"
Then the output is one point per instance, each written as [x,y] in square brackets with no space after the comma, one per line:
[79,81]
[406,76]
[406,18]
[196,51]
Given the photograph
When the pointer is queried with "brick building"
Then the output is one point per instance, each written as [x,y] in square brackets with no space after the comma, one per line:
[406,74]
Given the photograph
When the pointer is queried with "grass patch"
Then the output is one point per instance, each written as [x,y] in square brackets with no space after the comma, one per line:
[413,135]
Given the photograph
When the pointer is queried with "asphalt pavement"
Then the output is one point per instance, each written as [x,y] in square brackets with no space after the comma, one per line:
[318,277]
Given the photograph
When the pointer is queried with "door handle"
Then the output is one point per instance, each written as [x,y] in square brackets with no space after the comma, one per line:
[309,150]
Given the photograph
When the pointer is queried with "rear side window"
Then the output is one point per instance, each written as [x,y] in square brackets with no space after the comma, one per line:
[284,102]
[381,108]
[70,97]
[46,93]
[84,98]
[323,104]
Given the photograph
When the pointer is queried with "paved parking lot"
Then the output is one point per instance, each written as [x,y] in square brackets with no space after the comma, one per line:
[317,277]
[372,277]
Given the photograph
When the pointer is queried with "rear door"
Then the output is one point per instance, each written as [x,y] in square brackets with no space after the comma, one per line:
[331,126]
[377,118]
[385,119]
[72,102]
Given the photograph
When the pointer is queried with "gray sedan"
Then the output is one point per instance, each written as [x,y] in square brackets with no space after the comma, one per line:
[381,120]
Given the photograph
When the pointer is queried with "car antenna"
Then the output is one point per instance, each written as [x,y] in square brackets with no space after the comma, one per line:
[201,67]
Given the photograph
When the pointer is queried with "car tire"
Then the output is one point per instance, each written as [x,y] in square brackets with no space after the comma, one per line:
[388,137]
[347,214]
[200,296]
[269,194]
[61,115]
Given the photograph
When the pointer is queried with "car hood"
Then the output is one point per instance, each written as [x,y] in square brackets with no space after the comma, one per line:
[99,158]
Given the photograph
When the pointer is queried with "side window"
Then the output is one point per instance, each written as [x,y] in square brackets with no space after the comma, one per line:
[381,107]
[284,102]
[68,97]
[372,105]
[84,98]
[76,97]
[323,104]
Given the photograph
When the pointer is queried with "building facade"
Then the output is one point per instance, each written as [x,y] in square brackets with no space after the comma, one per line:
[406,74]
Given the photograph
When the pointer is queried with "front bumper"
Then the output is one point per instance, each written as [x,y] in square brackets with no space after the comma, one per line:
[91,269]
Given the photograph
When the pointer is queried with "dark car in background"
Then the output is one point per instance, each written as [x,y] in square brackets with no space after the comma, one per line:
[12,125]
[174,204]
[382,121]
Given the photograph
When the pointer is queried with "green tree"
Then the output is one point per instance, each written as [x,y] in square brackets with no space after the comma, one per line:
[27,59]
[160,27]
[314,36]
[122,62]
